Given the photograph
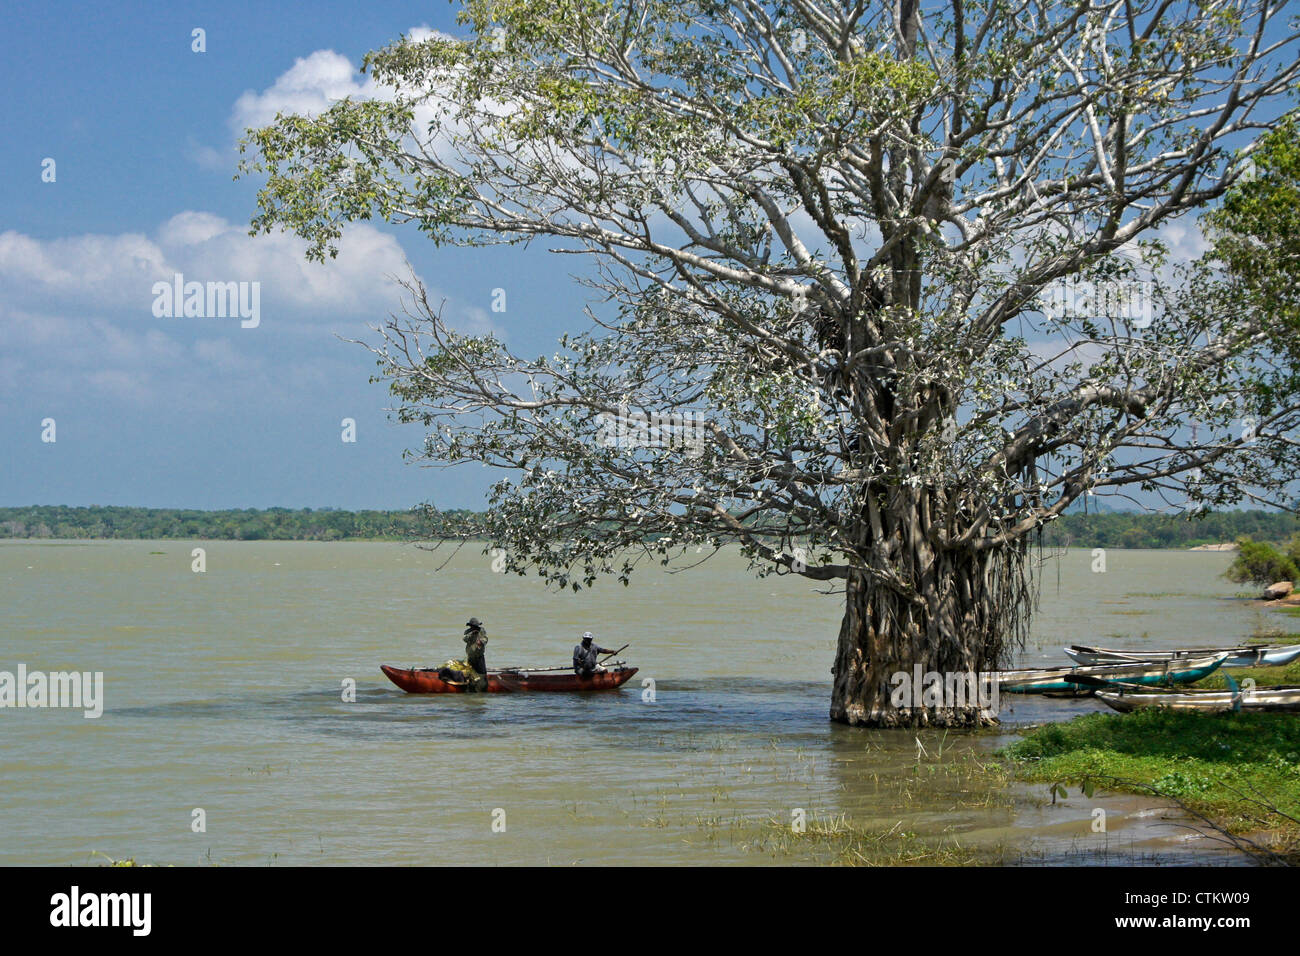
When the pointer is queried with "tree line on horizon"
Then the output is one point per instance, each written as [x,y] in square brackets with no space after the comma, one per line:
[247,524]
[1108,529]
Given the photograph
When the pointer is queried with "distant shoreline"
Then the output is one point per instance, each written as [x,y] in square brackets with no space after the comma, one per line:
[1212,531]
[4,540]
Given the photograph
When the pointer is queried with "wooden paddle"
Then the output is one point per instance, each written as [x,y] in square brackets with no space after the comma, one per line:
[610,654]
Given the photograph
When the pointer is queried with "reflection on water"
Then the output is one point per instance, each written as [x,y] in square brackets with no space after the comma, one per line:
[224,690]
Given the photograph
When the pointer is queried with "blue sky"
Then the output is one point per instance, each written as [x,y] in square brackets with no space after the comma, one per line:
[175,412]
[200,412]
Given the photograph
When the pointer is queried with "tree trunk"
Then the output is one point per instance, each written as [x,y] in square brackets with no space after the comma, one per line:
[948,617]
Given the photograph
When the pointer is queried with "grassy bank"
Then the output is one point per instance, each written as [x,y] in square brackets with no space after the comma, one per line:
[1262,676]
[1241,772]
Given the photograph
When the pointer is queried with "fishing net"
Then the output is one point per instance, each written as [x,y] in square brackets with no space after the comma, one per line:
[462,672]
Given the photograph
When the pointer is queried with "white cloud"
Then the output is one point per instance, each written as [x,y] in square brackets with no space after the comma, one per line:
[118,272]
[306,88]
[191,228]
[76,317]
[312,85]
[210,158]
[1185,239]
[77,312]
[105,269]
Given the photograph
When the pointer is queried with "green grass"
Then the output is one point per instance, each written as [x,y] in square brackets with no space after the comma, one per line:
[129,861]
[840,841]
[1225,766]
[1262,676]
[942,777]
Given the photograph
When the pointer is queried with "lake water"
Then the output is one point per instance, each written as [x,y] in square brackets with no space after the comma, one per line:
[224,692]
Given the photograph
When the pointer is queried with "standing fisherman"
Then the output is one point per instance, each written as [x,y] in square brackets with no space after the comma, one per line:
[586,656]
[475,644]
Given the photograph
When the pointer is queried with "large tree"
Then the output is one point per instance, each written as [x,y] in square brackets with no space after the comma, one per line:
[840,251]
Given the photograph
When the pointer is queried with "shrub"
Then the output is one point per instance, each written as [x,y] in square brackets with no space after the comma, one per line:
[1260,563]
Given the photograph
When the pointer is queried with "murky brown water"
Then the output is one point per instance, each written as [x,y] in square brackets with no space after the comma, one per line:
[223,692]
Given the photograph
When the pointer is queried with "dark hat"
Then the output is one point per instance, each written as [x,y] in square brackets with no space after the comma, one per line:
[473,622]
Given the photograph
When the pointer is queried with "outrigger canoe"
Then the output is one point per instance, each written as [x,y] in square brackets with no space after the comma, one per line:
[1245,655]
[1056,680]
[1285,699]
[425,680]
[522,679]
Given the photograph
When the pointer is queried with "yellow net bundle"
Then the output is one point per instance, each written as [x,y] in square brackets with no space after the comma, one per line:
[462,669]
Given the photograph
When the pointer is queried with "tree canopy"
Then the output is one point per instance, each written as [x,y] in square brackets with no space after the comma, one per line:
[879,287]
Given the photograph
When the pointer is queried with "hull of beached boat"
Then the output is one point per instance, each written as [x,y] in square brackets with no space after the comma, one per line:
[1056,680]
[525,681]
[425,680]
[1247,655]
[1261,699]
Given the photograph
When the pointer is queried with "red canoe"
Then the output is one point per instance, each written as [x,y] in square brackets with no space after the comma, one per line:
[425,680]
[523,680]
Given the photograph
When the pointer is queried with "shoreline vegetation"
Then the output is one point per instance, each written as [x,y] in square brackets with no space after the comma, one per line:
[1236,775]
[95,522]
[1104,529]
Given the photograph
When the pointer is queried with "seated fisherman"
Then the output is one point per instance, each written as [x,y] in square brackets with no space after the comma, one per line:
[586,656]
